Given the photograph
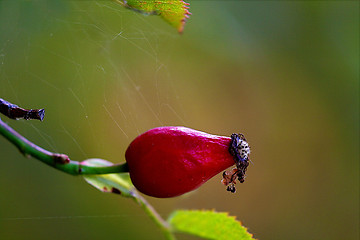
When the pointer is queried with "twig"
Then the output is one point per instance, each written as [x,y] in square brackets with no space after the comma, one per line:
[59,161]
[63,163]
[15,112]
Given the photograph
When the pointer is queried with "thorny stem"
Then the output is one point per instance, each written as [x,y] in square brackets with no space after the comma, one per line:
[59,161]
[151,212]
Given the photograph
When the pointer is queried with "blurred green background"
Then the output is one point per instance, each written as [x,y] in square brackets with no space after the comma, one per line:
[286,74]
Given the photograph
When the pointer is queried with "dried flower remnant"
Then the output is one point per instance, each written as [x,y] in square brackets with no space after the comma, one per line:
[240,150]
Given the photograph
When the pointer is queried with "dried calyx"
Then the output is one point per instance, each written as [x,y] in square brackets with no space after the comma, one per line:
[240,150]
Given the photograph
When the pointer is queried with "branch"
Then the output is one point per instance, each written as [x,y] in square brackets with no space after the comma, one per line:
[63,163]
[56,160]
[15,112]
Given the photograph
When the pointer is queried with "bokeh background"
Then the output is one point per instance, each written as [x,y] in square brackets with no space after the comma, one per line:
[286,74]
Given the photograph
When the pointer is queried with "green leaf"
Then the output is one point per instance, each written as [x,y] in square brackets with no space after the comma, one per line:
[208,224]
[119,183]
[174,12]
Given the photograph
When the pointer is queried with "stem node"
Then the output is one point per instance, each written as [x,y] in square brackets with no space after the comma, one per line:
[61,158]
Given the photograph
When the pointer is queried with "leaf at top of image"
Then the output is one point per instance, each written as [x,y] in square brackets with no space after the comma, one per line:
[174,12]
[208,224]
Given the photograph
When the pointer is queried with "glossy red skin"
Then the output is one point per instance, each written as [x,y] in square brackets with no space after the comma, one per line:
[170,161]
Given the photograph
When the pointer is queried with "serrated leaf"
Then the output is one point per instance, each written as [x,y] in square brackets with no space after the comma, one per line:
[208,224]
[119,183]
[174,12]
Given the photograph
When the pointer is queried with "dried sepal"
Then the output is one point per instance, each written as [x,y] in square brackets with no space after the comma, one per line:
[229,179]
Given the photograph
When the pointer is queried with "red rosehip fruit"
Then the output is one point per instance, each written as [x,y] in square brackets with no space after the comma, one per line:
[170,161]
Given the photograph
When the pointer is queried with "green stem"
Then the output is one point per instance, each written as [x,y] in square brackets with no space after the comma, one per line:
[63,163]
[151,212]
[59,161]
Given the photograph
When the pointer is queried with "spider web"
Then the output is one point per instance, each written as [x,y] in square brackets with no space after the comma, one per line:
[101,73]
[285,73]
[123,79]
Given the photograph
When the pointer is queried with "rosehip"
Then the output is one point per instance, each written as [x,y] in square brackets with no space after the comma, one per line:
[170,161]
